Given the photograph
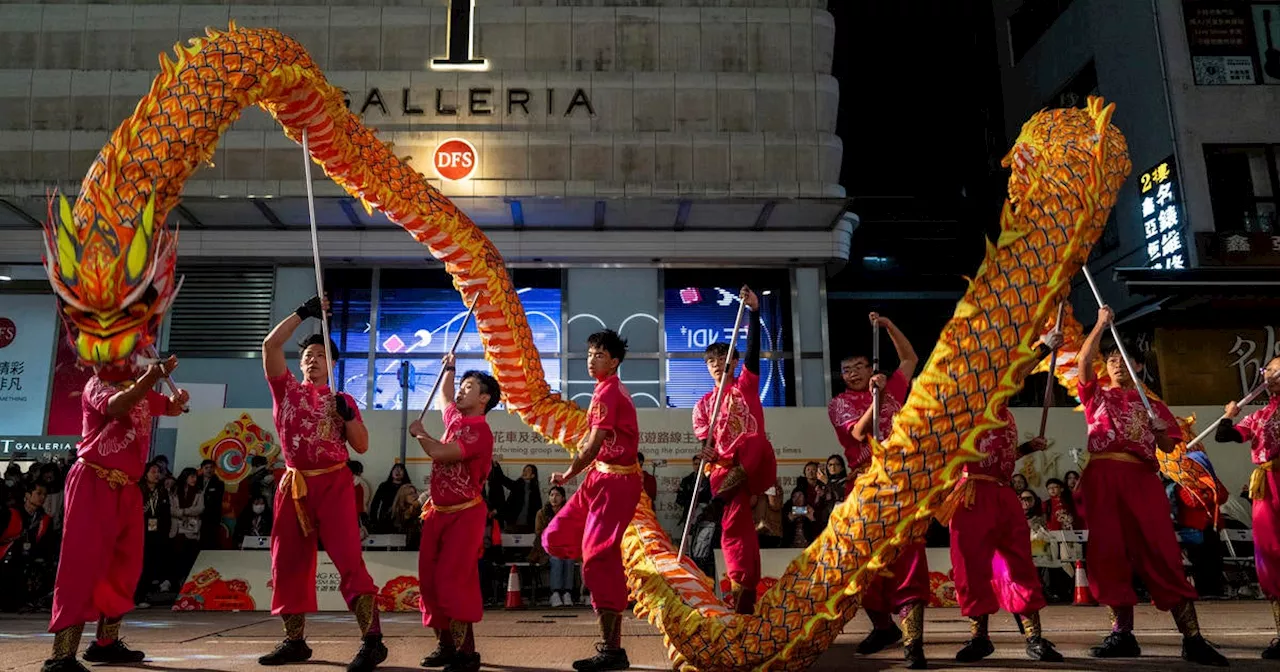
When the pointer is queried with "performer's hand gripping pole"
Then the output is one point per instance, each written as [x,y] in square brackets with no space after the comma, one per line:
[725,375]
[1115,334]
[1053,366]
[315,255]
[1248,399]
[453,349]
[875,368]
[152,353]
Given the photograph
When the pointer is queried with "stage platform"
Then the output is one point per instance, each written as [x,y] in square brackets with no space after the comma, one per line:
[523,641]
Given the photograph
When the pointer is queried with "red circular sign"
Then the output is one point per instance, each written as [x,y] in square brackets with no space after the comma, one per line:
[8,331]
[455,159]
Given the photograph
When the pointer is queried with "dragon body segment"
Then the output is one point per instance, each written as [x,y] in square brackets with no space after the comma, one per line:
[111,257]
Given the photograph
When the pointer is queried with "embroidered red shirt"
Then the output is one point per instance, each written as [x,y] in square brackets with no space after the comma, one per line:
[1001,449]
[454,483]
[1262,428]
[741,417]
[847,407]
[312,435]
[1118,422]
[117,443]
[612,409]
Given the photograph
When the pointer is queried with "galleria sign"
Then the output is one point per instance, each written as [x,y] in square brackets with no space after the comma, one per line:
[479,102]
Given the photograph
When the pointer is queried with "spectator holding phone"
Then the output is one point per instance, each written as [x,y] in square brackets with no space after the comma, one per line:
[800,525]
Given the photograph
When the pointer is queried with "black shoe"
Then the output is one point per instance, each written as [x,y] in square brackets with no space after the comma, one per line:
[115,653]
[1041,649]
[288,651]
[1117,645]
[440,657]
[913,653]
[879,639]
[464,662]
[63,665]
[1272,652]
[605,659]
[1197,650]
[372,652]
[975,649]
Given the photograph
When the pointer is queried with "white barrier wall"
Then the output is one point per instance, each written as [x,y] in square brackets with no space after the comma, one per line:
[798,434]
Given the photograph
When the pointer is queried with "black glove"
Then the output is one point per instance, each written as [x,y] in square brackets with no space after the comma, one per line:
[312,308]
[345,412]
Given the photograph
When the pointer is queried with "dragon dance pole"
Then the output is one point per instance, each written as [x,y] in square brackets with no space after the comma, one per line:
[1248,398]
[875,368]
[315,255]
[168,381]
[1115,334]
[452,349]
[1053,366]
[711,431]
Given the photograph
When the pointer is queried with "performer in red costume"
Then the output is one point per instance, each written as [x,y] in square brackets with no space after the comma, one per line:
[905,587]
[991,543]
[1129,526]
[102,530]
[740,456]
[592,522]
[453,519]
[1262,430]
[315,500]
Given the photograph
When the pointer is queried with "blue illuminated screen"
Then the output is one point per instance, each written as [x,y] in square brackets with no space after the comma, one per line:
[696,317]
[420,325]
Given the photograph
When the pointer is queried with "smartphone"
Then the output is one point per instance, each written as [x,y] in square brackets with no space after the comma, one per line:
[799,510]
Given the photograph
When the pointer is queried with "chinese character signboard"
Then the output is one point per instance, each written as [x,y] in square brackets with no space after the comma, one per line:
[28,324]
[1220,38]
[1161,204]
[1240,249]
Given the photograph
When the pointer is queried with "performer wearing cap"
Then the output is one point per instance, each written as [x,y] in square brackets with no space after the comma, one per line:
[990,540]
[316,499]
[1130,530]
[453,519]
[1261,429]
[905,587]
[739,454]
[102,531]
[592,522]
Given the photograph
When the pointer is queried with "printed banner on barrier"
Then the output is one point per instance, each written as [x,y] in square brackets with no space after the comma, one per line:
[241,581]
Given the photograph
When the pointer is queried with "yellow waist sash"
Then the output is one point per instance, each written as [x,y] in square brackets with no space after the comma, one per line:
[1118,457]
[606,468]
[114,477]
[1258,480]
[963,495]
[429,507]
[294,482]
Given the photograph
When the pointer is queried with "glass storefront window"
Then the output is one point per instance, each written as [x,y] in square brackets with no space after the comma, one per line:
[1243,184]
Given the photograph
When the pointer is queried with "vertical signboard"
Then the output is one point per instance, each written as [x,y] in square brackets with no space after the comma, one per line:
[27,329]
[1219,36]
[1162,213]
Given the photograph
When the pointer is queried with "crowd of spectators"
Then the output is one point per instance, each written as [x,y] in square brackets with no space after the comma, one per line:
[187,513]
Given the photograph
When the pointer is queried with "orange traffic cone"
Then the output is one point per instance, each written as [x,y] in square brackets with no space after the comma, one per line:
[515,599]
[1083,596]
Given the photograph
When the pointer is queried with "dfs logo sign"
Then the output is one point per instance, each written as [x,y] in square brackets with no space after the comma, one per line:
[461,35]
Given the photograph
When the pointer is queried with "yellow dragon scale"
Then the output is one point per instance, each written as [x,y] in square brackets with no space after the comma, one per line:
[1067,165]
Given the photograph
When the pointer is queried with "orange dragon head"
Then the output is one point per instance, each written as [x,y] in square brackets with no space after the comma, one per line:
[113,274]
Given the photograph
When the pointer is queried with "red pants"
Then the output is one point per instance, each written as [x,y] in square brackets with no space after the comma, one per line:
[1130,531]
[1266,536]
[590,527]
[101,559]
[331,503]
[991,554]
[738,540]
[448,574]
[908,583]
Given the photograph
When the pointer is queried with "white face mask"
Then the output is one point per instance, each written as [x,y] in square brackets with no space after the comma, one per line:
[259,508]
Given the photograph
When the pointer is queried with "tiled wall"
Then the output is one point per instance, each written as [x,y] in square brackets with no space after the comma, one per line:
[685,92]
